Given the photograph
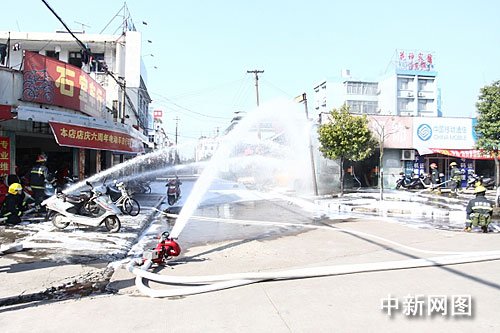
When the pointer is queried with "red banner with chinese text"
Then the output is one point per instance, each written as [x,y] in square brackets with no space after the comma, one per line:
[50,81]
[4,155]
[93,138]
[472,154]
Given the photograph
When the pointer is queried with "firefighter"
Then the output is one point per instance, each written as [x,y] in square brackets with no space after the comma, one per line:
[479,210]
[435,178]
[38,174]
[12,208]
[455,179]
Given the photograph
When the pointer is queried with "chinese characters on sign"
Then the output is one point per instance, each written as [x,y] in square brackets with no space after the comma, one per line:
[420,305]
[4,155]
[93,138]
[49,81]
[474,154]
[449,132]
[157,114]
[415,61]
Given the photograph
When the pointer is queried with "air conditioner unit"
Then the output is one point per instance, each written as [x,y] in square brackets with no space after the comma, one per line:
[408,155]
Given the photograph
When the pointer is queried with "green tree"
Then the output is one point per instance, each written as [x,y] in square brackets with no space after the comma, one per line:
[488,122]
[346,137]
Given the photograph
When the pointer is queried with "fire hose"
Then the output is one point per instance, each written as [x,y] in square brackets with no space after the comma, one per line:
[190,285]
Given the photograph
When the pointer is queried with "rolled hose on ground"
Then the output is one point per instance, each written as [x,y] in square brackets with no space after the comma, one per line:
[219,282]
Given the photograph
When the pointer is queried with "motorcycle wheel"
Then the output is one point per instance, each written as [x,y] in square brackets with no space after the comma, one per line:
[398,186]
[147,189]
[112,223]
[91,209]
[171,199]
[131,207]
[57,221]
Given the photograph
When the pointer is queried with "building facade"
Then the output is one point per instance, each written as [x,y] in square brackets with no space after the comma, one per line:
[83,102]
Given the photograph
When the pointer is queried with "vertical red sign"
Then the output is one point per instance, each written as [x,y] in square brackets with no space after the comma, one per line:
[4,155]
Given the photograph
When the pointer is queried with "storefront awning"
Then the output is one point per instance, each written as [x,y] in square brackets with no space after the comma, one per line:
[94,138]
[473,154]
[128,138]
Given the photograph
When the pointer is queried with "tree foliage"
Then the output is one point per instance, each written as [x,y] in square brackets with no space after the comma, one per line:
[488,122]
[346,137]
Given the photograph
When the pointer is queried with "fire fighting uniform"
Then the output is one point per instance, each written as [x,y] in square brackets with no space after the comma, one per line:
[456,179]
[38,175]
[479,211]
[13,207]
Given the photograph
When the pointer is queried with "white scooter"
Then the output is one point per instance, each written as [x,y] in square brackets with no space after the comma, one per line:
[90,209]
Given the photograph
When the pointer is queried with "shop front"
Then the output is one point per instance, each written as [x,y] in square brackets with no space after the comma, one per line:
[87,144]
[443,140]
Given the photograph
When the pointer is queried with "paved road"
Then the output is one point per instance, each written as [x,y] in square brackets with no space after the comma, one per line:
[341,303]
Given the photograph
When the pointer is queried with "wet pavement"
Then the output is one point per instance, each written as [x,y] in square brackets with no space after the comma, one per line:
[73,263]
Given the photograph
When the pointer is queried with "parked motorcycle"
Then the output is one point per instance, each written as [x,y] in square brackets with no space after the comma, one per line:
[88,208]
[413,182]
[119,195]
[474,180]
[136,186]
[173,190]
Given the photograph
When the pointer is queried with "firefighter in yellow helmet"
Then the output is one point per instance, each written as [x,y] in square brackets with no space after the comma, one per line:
[455,179]
[479,210]
[13,206]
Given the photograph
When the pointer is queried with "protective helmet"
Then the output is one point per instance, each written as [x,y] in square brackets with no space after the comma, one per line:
[433,165]
[41,158]
[479,189]
[453,164]
[15,188]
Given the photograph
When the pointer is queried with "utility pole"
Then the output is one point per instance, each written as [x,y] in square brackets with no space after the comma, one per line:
[124,92]
[176,126]
[303,99]
[256,72]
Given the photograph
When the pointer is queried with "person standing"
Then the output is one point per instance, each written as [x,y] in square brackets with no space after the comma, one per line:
[13,207]
[455,179]
[435,178]
[479,210]
[38,175]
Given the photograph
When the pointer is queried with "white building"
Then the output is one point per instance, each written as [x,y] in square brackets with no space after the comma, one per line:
[410,89]
[95,84]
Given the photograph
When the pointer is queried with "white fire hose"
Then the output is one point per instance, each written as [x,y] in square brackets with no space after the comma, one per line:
[200,284]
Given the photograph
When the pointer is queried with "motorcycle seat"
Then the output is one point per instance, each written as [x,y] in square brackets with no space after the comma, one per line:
[78,198]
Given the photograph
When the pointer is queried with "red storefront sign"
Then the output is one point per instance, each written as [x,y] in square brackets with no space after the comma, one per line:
[4,155]
[50,81]
[472,154]
[93,138]
[5,112]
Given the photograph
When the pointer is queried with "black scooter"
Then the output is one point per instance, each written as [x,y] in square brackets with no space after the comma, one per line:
[415,182]
[474,180]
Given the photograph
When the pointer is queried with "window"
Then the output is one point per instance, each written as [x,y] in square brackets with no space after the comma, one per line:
[367,107]
[75,59]
[98,64]
[52,54]
[403,105]
[361,88]
[403,84]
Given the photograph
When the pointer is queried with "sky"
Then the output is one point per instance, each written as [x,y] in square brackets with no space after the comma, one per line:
[202,50]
